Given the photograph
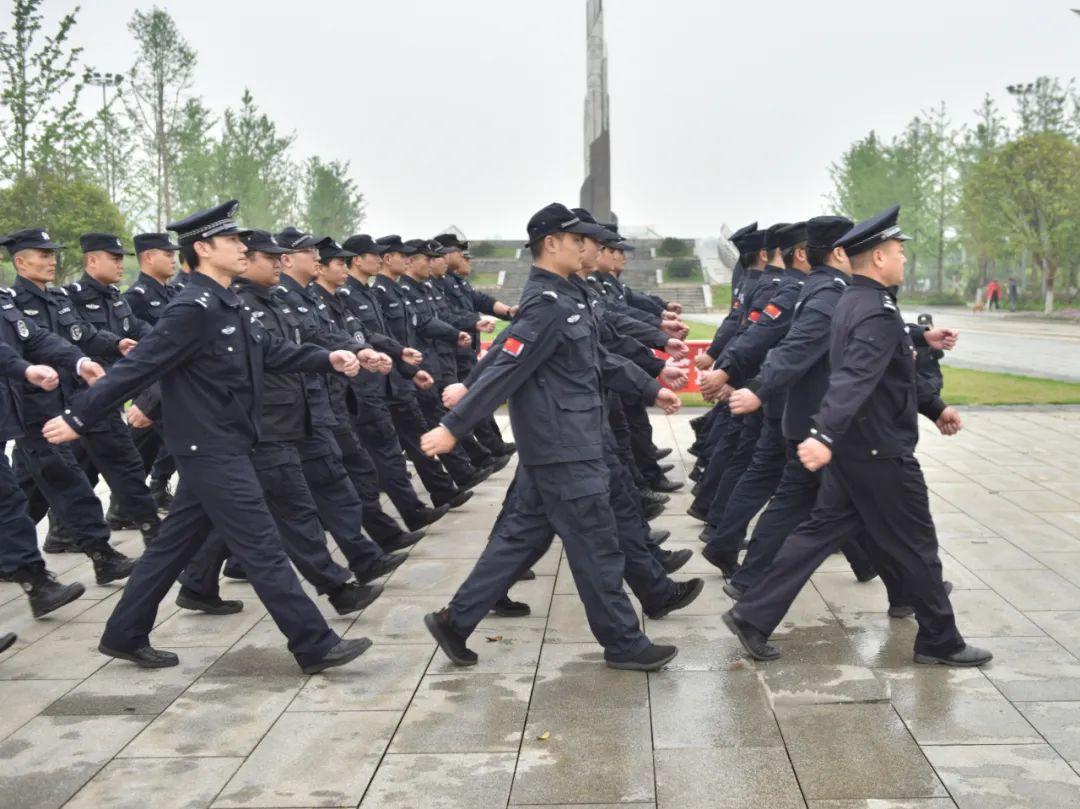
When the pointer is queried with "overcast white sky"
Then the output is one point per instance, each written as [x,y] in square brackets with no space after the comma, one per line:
[470,112]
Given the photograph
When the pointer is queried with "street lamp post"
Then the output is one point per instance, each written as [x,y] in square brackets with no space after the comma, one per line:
[105,81]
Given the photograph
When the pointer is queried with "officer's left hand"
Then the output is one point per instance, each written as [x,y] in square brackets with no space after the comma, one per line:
[43,376]
[668,401]
[674,306]
[941,339]
[464,339]
[423,380]
[514,310]
[675,328]
[674,377]
[949,422]
[813,454]
[125,345]
[374,361]
[485,325]
[345,362]
[676,349]
[712,382]
[743,401]
[437,442]
[452,394]
[90,372]
[58,431]
[667,315]
[412,356]
[703,361]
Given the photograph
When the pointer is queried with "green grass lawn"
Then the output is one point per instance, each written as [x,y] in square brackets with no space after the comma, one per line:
[967,387]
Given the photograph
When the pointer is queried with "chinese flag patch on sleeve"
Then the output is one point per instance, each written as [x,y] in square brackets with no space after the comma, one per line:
[754,315]
[513,346]
[773,311]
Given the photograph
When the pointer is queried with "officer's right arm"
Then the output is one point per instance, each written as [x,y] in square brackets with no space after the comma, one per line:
[12,366]
[804,344]
[724,334]
[530,339]
[177,336]
[42,346]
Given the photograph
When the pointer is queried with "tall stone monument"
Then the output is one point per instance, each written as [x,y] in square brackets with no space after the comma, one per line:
[596,190]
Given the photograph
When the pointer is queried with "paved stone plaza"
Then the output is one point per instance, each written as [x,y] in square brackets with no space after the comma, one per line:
[843,720]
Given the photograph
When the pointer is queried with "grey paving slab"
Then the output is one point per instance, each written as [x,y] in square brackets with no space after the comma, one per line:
[164,783]
[478,713]
[881,760]
[1034,589]
[1033,669]
[788,683]
[22,700]
[1006,776]
[70,651]
[386,681]
[47,760]
[728,778]
[1059,724]
[217,716]
[873,803]
[446,781]
[290,767]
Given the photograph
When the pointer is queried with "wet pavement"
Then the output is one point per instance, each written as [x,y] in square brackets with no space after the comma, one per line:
[843,720]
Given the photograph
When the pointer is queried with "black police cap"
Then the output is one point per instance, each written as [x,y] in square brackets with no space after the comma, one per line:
[153,241]
[788,237]
[772,237]
[823,231]
[600,233]
[424,248]
[360,244]
[393,244]
[872,232]
[554,218]
[102,242]
[295,239]
[264,242]
[742,233]
[752,242]
[29,239]
[450,242]
[219,221]
[329,249]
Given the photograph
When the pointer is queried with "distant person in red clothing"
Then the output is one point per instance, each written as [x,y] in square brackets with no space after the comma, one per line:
[993,294]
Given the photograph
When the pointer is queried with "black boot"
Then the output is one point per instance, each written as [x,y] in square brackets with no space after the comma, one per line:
[727,562]
[109,563]
[59,539]
[118,521]
[44,591]
[7,640]
[452,644]
[163,498]
[211,605]
[756,644]
[684,595]
[506,607]
[673,560]
[386,564]
[652,658]
[352,597]
[401,541]
[233,570]
[425,515]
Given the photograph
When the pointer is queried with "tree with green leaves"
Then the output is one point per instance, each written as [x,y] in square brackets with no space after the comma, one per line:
[862,179]
[66,208]
[40,94]
[195,174]
[331,204]
[158,86]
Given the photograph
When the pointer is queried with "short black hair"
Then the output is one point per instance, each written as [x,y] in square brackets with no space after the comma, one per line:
[789,254]
[748,260]
[817,256]
[188,254]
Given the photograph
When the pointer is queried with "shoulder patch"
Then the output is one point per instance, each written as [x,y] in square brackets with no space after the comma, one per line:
[547,293]
[140,289]
[839,281]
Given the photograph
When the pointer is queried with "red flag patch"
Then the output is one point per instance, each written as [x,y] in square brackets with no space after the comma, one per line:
[773,311]
[754,315]
[513,346]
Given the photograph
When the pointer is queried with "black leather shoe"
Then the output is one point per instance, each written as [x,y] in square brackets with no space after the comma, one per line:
[652,510]
[45,593]
[666,467]
[499,462]
[211,605]
[458,499]
[966,657]
[697,422]
[648,497]
[676,559]
[695,490]
[118,521]
[734,591]
[478,477]
[707,535]
[387,564]
[145,658]
[401,541]
[7,640]
[425,515]
[697,513]
[508,448]
[233,570]
[59,539]
[865,574]
[728,563]
[109,564]
[696,473]
[665,484]
[343,652]
[652,658]
[528,575]
[353,596]
[662,453]
[452,644]
[755,644]
[900,611]
[658,536]
[506,607]
[685,594]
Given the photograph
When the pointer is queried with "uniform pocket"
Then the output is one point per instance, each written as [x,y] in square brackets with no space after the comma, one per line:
[580,418]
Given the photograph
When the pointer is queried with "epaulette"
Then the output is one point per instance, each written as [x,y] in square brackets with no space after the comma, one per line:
[776,280]
[140,289]
[345,291]
[547,293]
[114,286]
[76,286]
[840,281]
[887,302]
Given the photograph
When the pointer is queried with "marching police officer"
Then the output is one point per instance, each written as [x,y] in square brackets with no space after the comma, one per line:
[549,368]
[22,340]
[211,359]
[50,476]
[108,448]
[865,435]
